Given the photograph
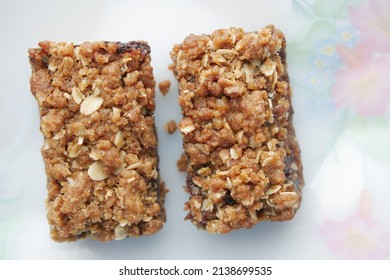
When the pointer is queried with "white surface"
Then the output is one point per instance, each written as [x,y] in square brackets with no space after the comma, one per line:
[24,231]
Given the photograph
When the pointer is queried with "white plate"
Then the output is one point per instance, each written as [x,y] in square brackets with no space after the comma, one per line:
[346,153]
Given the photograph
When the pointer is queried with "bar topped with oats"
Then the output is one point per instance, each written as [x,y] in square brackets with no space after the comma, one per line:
[243,158]
[96,103]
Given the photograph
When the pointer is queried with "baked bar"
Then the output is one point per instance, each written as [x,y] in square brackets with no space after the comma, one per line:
[96,103]
[244,162]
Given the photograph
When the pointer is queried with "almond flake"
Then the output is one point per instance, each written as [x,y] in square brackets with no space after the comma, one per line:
[91,104]
[118,141]
[96,172]
[77,95]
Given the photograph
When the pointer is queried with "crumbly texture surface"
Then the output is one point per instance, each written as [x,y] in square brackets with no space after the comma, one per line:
[170,126]
[164,86]
[243,158]
[96,104]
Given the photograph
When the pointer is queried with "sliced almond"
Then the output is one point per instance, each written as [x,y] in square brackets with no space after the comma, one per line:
[91,104]
[96,172]
[118,141]
[77,95]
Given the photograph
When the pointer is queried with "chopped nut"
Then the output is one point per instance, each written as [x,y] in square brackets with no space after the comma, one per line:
[96,172]
[91,104]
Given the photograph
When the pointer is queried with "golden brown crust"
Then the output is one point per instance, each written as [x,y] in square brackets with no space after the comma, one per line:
[243,158]
[96,103]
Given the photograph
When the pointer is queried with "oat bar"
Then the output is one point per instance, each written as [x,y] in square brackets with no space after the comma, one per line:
[96,103]
[243,158]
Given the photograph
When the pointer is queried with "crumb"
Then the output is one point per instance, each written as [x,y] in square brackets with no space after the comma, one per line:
[170,126]
[182,163]
[164,86]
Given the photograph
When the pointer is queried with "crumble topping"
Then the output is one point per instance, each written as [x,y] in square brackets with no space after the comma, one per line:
[96,103]
[243,160]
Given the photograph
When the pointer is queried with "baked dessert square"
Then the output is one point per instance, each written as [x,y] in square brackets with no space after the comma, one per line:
[243,158]
[96,104]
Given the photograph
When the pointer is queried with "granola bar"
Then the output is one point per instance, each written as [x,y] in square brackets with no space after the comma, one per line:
[96,103]
[243,158]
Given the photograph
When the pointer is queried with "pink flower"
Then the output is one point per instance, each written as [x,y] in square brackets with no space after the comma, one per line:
[359,236]
[364,85]
[374,24]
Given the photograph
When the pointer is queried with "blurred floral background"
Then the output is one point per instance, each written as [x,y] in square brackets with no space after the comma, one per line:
[341,70]
[339,65]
